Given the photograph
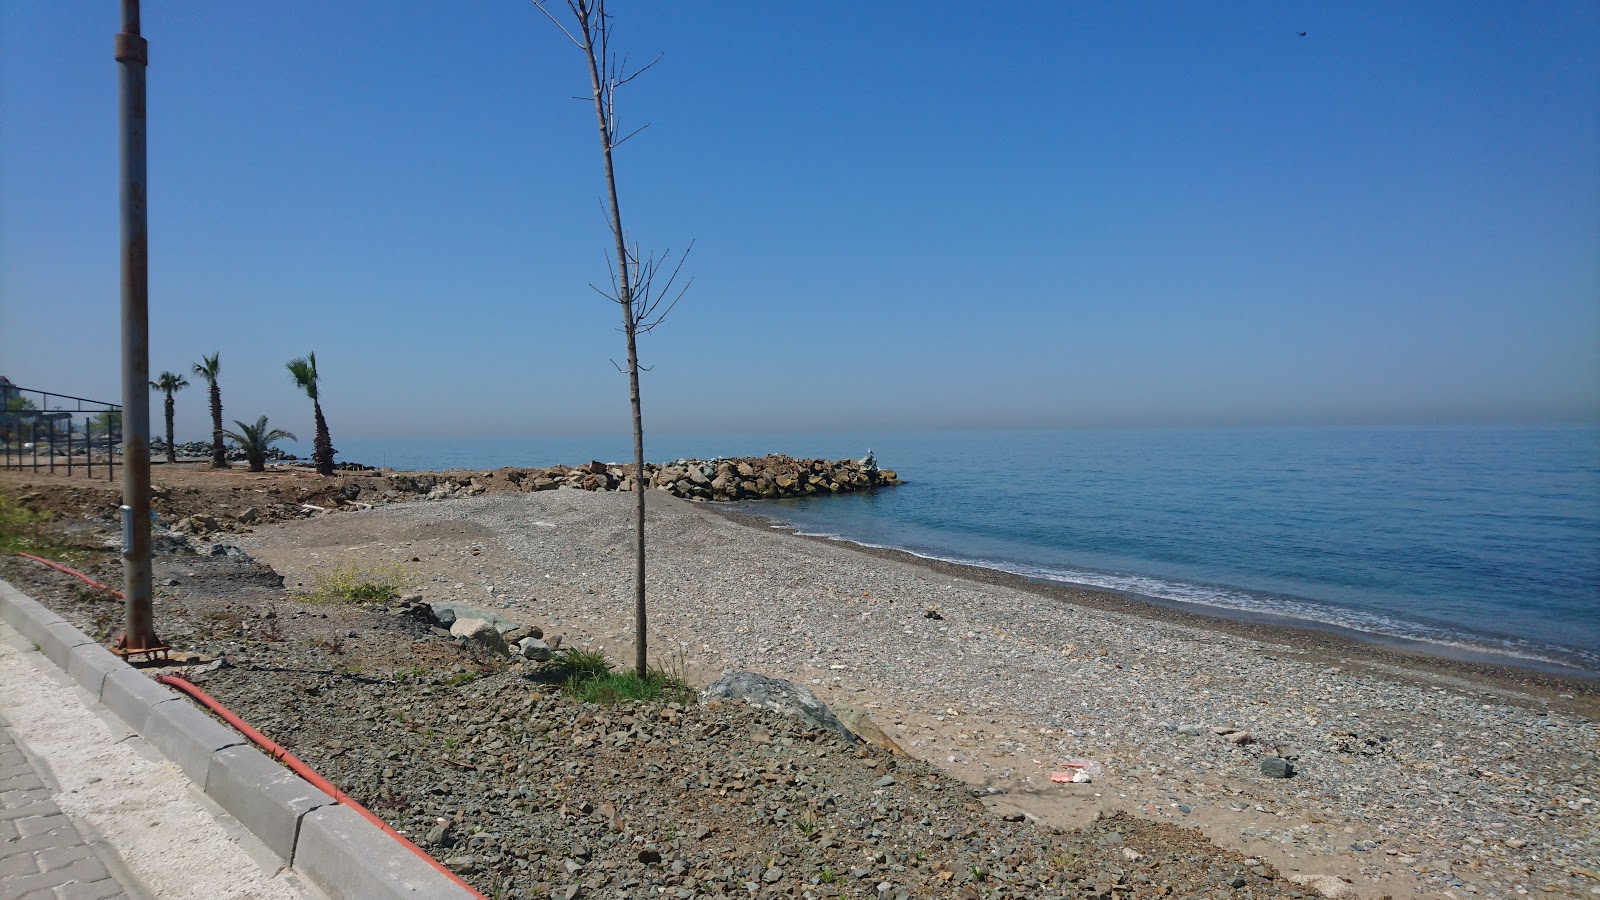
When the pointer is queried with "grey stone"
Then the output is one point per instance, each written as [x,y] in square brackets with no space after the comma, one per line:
[534,649]
[1276,767]
[779,696]
[480,633]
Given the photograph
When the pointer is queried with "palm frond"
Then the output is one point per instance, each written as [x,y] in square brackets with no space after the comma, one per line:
[209,367]
[303,372]
[169,382]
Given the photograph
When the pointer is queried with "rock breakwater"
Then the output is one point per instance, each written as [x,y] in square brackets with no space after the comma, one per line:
[723,479]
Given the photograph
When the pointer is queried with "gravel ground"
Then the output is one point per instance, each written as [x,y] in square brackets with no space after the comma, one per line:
[1409,782]
[1406,785]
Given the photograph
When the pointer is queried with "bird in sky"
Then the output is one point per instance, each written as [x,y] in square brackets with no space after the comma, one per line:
[1301,33]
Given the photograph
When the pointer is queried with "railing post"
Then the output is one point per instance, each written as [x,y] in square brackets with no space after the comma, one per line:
[52,423]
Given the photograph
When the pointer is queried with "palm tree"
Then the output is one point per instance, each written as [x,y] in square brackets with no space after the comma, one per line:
[207,368]
[256,441]
[303,371]
[168,383]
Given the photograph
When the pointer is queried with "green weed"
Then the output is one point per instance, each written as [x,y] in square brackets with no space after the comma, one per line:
[587,676]
[22,530]
[350,584]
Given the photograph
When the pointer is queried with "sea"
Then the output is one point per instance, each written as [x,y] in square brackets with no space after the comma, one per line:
[1475,541]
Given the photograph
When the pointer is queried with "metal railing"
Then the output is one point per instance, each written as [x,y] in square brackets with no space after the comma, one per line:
[43,430]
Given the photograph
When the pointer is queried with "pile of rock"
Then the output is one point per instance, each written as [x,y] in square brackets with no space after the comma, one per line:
[723,479]
[202,449]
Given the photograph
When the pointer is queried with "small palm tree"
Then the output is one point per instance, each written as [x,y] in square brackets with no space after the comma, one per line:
[304,373]
[256,441]
[168,384]
[207,368]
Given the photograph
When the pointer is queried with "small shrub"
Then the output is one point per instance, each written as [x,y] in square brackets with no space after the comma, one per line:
[587,676]
[351,584]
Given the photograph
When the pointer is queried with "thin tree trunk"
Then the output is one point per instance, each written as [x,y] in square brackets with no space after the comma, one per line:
[322,446]
[219,456]
[629,327]
[172,452]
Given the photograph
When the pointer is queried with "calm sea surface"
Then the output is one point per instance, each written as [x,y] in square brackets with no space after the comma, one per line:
[1477,537]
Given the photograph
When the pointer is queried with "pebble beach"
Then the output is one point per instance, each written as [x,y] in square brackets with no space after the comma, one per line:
[1410,776]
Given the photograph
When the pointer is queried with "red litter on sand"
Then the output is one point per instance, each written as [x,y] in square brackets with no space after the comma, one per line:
[1061,777]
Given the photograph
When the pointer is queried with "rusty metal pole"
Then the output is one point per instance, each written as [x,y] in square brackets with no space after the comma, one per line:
[132,54]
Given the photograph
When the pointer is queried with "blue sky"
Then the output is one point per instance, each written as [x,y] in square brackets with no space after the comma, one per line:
[906,215]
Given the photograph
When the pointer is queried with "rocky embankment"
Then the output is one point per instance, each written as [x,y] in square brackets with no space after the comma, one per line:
[723,479]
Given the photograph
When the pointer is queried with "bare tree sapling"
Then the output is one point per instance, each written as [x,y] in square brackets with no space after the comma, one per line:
[634,283]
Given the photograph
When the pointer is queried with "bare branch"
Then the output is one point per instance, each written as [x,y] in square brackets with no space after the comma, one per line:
[616,144]
[554,21]
[628,78]
[648,327]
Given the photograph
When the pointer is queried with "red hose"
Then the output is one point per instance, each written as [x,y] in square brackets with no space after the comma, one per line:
[73,572]
[278,752]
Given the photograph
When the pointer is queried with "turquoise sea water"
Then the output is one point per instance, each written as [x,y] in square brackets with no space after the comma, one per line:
[1484,537]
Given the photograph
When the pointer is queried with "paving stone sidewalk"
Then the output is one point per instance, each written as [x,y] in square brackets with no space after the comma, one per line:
[43,856]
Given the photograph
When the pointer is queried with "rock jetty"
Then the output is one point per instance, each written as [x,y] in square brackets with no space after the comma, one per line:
[723,479]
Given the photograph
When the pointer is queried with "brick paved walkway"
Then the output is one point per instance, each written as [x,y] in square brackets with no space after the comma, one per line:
[42,854]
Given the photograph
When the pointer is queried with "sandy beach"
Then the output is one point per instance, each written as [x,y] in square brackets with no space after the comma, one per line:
[1413,779]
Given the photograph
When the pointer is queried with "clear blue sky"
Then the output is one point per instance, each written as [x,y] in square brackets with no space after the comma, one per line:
[907,214]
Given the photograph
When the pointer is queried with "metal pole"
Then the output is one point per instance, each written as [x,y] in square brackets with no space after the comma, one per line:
[69,446]
[52,446]
[33,439]
[132,54]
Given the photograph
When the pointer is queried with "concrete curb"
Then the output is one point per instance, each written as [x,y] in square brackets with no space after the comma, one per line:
[338,850]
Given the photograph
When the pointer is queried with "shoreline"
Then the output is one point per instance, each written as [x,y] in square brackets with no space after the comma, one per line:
[1400,759]
[1547,681]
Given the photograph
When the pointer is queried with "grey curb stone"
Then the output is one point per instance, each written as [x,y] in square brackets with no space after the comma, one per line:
[28,616]
[188,737]
[59,639]
[346,856]
[89,664]
[265,797]
[133,696]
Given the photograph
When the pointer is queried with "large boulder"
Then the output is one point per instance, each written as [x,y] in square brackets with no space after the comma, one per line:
[779,696]
[481,634]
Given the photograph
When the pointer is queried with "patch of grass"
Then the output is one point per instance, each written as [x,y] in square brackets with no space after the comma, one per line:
[459,678]
[587,676]
[351,584]
[22,530]
[578,665]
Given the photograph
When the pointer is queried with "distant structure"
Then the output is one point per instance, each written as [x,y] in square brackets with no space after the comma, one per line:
[7,391]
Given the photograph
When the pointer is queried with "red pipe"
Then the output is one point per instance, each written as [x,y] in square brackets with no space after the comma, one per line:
[278,752]
[73,572]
